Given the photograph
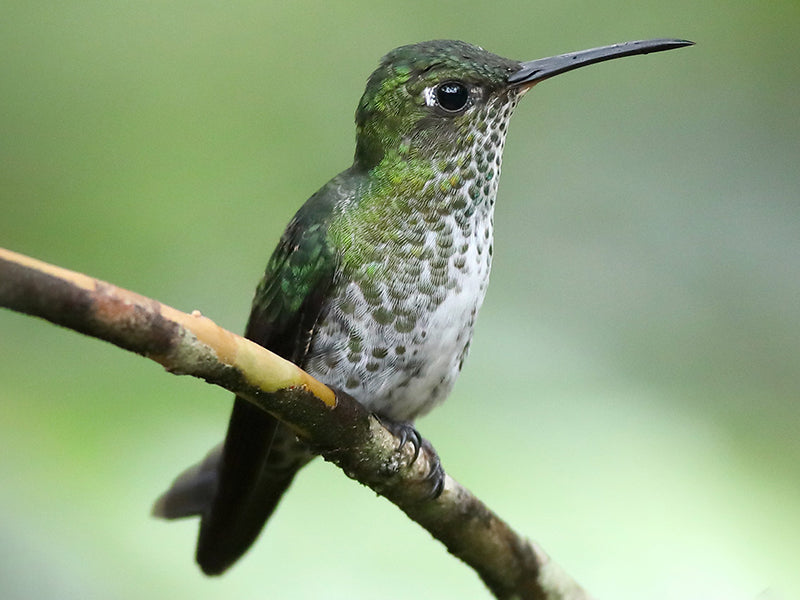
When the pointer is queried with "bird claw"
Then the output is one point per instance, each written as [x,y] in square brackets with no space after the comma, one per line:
[406,433]
[435,476]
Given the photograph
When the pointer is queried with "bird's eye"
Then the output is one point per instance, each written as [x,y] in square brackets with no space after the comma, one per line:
[452,96]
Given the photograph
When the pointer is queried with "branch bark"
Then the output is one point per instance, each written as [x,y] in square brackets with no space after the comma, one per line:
[331,422]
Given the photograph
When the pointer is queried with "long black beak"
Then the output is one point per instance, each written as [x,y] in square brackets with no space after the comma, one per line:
[534,71]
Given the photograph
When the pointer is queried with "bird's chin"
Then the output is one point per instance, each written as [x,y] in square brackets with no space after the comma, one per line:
[523,89]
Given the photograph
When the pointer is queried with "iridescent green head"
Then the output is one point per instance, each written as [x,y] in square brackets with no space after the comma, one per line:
[425,98]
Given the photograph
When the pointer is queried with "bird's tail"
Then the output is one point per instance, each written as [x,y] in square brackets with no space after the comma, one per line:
[191,493]
[236,487]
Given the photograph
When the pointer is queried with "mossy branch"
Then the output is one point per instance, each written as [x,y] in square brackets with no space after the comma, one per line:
[331,422]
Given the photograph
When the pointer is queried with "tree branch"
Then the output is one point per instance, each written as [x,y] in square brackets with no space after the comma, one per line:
[331,422]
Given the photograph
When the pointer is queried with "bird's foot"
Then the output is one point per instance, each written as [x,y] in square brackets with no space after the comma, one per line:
[407,434]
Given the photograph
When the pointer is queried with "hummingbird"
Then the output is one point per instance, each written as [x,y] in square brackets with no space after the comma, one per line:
[375,285]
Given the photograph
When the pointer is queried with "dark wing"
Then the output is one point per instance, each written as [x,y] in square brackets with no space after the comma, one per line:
[260,456]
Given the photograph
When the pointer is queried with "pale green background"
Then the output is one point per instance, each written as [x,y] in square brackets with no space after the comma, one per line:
[632,397]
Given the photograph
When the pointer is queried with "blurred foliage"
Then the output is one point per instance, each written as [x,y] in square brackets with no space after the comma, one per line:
[631,401]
